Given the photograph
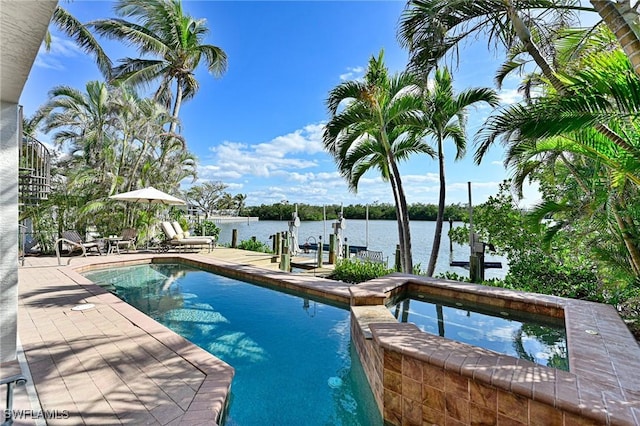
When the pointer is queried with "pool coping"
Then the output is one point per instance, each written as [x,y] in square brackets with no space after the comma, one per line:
[603,383]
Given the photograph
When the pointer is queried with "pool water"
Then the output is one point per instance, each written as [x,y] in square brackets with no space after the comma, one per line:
[536,338]
[293,356]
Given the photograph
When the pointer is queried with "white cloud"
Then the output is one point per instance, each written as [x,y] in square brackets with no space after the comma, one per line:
[307,140]
[510,96]
[234,186]
[497,163]
[59,51]
[294,167]
[463,186]
[282,156]
[416,179]
[351,73]
[530,195]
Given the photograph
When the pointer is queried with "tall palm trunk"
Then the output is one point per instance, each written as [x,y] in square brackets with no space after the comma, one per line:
[524,35]
[437,236]
[406,258]
[621,19]
[176,107]
[629,242]
[404,234]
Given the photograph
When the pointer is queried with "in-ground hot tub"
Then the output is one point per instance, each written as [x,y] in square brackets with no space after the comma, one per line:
[537,338]
[419,377]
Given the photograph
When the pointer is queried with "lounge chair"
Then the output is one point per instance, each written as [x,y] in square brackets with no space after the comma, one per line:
[179,230]
[75,241]
[178,240]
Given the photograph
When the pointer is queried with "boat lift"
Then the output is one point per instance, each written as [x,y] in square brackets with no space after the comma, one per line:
[476,263]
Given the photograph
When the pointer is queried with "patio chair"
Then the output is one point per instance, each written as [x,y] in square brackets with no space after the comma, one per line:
[126,240]
[179,241]
[73,239]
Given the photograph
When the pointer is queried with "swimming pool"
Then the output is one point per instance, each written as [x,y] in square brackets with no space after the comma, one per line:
[536,338]
[293,356]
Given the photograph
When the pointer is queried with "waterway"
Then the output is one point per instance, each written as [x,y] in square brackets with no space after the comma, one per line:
[380,235]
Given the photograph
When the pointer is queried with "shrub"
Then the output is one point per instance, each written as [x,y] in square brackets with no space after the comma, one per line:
[355,271]
[254,245]
[540,274]
[206,227]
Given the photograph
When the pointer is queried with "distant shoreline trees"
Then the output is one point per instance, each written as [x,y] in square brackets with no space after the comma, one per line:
[377,211]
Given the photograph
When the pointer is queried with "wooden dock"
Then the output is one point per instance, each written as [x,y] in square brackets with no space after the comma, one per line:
[302,264]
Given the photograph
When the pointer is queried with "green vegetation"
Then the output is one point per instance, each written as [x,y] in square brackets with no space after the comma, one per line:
[254,245]
[117,140]
[377,211]
[206,227]
[355,271]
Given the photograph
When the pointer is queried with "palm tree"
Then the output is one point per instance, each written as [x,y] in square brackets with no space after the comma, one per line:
[82,120]
[163,30]
[79,33]
[432,28]
[445,119]
[622,19]
[558,129]
[378,126]
[226,201]
[240,200]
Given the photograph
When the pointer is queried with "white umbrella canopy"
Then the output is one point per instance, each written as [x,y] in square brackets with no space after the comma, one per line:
[149,195]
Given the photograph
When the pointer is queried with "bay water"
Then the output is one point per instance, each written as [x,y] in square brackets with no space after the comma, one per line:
[379,235]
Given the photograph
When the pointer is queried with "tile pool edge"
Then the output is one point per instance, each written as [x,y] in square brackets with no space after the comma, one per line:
[602,388]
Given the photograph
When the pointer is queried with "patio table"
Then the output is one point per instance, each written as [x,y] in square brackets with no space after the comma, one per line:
[113,244]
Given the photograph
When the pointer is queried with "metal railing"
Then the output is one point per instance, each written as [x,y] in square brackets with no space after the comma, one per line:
[34,172]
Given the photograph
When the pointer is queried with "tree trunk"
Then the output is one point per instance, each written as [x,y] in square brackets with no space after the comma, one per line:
[437,236]
[403,212]
[176,107]
[621,19]
[524,35]
[401,232]
[402,215]
[134,170]
[630,244]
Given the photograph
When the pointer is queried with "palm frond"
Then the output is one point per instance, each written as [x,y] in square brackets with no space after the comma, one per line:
[82,37]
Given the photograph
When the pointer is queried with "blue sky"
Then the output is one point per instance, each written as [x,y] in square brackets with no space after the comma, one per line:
[258,127]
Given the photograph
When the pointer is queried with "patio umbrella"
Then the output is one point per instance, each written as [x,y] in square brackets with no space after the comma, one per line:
[149,195]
